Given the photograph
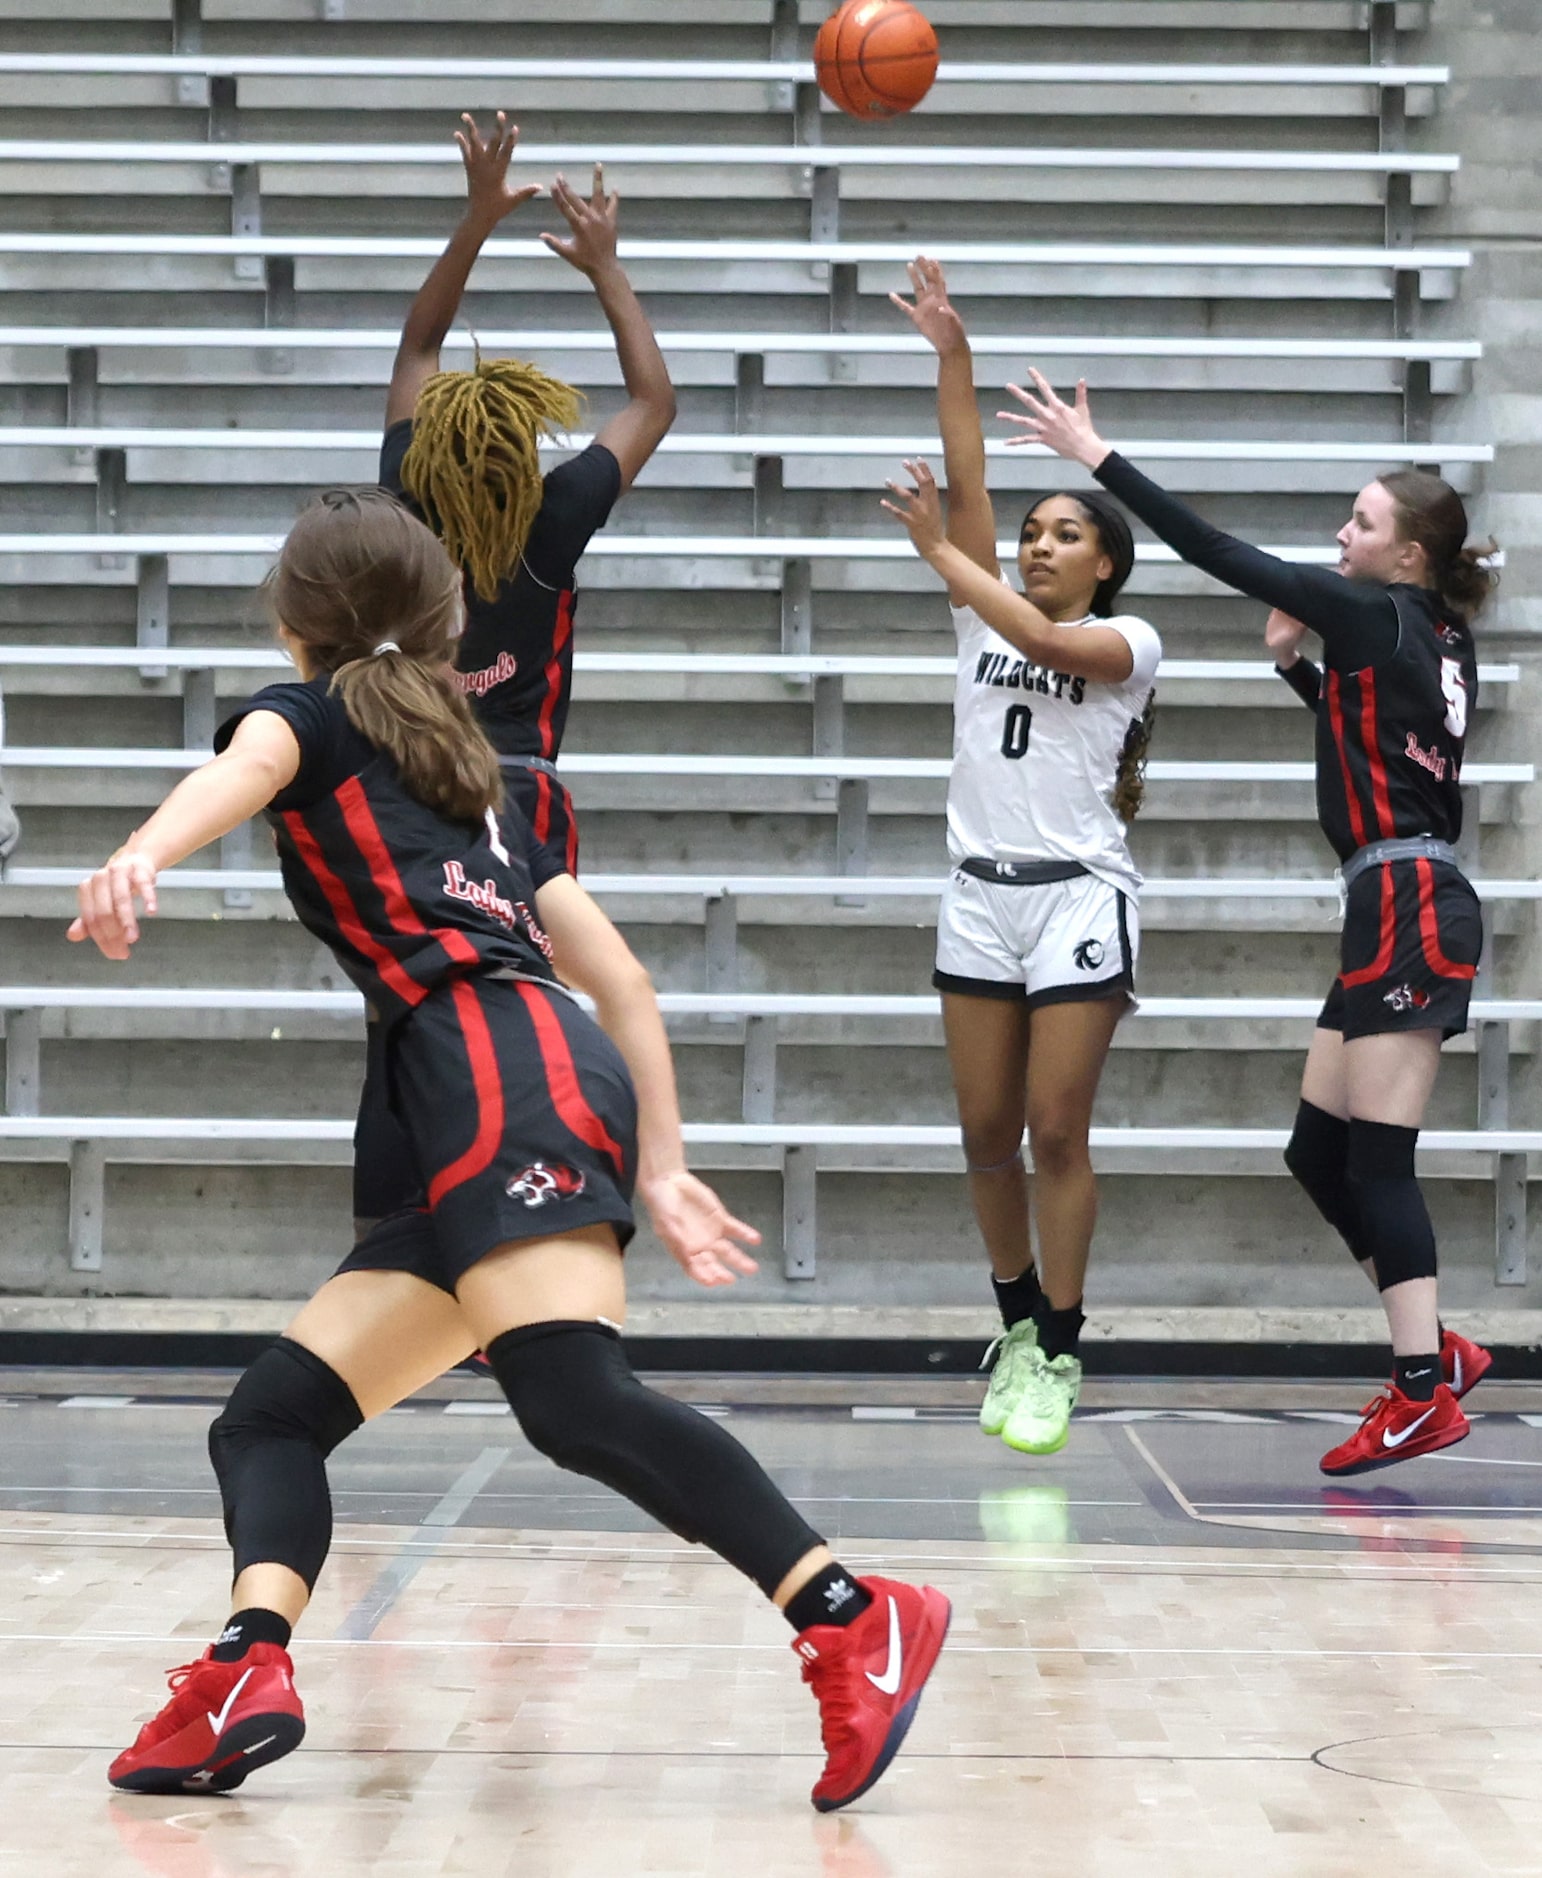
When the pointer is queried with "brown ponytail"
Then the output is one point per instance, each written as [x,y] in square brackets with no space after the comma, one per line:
[1130,779]
[378,602]
[1430,513]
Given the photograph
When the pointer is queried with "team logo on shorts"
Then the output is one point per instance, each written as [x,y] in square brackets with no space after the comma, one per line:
[1407,998]
[538,1183]
[1088,955]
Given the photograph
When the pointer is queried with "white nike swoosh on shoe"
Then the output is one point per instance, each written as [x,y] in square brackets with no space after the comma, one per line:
[1390,1440]
[217,1722]
[1456,1372]
[888,1683]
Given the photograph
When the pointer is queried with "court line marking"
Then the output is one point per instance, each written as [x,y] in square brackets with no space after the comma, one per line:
[361,1621]
[424,1493]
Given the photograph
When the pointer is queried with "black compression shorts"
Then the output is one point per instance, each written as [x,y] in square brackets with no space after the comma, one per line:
[521,1121]
[1413,932]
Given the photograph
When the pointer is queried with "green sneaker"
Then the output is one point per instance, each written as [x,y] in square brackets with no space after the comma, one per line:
[1041,1416]
[1008,1373]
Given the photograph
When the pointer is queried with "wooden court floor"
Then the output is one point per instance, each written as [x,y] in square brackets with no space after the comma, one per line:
[1176,1650]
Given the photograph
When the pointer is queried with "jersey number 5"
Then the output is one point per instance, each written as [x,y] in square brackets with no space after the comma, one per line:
[1454,689]
[1014,732]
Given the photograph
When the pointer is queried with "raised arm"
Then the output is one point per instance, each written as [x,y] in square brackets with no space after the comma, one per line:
[489,199]
[971,519]
[687,1215]
[1356,619]
[634,433]
[262,758]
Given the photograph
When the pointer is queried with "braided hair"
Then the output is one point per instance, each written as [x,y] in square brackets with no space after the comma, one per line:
[473,466]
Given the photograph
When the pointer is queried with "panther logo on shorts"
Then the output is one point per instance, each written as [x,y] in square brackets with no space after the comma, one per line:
[1088,955]
[538,1183]
[1407,998]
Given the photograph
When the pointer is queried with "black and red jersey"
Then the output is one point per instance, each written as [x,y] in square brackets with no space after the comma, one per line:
[1390,737]
[403,898]
[515,659]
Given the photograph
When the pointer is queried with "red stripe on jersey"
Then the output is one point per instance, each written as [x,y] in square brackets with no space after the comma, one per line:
[1382,963]
[1369,736]
[541,826]
[1332,689]
[562,1078]
[488,1086]
[1429,929]
[572,842]
[553,696]
[360,819]
[346,914]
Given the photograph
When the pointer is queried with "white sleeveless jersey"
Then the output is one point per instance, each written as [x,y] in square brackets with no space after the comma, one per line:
[1036,752]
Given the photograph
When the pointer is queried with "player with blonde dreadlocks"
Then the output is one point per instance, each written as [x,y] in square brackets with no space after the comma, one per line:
[461,449]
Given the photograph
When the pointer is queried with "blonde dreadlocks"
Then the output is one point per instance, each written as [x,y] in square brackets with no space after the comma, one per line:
[473,467]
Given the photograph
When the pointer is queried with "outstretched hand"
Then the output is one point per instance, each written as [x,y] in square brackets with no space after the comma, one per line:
[698,1229]
[486,160]
[592,246]
[1066,429]
[919,508]
[106,900]
[932,313]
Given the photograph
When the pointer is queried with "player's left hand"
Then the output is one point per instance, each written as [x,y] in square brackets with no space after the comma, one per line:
[1067,429]
[1283,636]
[698,1229]
[106,899]
[592,247]
[920,508]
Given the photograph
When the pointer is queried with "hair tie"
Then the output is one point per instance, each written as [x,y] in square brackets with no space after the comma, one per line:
[386,645]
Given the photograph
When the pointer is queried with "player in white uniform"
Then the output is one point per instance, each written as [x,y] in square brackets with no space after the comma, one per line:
[1038,933]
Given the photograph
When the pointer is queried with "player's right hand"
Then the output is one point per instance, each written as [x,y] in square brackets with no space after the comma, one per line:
[488,195]
[932,313]
[1283,636]
[106,899]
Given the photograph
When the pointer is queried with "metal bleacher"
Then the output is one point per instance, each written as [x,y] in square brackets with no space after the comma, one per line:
[214,215]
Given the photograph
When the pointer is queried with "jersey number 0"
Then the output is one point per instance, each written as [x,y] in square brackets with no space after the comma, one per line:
[1014,732]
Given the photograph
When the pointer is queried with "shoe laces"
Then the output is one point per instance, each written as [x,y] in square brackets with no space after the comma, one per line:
[1042,1391]
[1006,1353]
[831,1679]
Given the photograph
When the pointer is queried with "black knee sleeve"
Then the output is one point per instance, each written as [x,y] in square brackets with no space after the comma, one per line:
[580,1403]
[1394,1218]
[269,1448]
[1317,1154]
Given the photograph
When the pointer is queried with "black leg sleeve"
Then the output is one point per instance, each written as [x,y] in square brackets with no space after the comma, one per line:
[1396,1220]
[1318,1155]
[579,1402]
[269,1448]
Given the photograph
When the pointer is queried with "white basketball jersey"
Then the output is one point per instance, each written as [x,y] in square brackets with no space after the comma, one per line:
[1036,752]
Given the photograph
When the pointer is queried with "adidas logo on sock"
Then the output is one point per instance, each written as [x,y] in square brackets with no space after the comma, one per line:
[230,1634]
[841,1592]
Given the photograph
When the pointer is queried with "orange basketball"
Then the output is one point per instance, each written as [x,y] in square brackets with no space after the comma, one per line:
[876,58]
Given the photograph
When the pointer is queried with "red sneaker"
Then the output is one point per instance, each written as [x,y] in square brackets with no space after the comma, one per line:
[1395,1429]
[1463,1363]
[224,1720]
[867,1677]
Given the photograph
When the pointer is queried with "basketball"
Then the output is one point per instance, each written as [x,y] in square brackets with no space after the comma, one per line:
[876,58]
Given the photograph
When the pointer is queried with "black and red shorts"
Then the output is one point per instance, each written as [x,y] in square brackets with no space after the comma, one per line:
[1413,932]
[521,1122]
[534,790]
[383,1178]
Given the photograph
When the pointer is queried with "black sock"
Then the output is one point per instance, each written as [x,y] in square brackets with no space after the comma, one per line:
[247,1628]
[1418,1375]
[1018,1298]
[1060,1332]
[831,1596]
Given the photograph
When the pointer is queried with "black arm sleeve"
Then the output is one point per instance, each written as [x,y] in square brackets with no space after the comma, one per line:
[1305,680]
[1356,620]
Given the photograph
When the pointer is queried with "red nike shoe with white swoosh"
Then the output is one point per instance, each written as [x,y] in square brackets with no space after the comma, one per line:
[1463,1363]
[223,1720]
[1396,1428]
[867,1677]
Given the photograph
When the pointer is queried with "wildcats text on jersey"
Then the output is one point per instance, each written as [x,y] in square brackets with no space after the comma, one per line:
[1009,674]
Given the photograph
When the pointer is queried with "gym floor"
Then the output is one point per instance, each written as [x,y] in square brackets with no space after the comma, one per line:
[1176,1647]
